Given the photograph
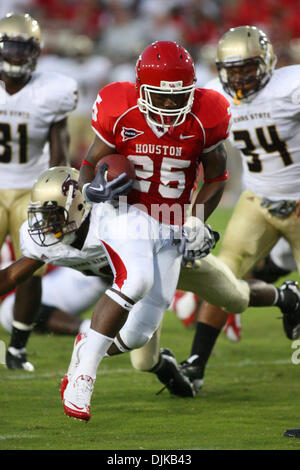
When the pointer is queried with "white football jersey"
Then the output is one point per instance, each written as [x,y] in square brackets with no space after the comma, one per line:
[90,73]
[25,120]
[266,130]
[89,260]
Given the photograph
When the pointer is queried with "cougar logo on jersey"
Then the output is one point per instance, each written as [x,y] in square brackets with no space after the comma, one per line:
[66,185]
[129,133]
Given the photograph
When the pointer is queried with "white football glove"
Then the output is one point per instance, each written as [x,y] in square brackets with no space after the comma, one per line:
[197,241]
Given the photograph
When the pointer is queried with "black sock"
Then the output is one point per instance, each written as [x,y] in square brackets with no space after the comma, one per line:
[158,366]
[44,313]
[204,341]
[19,338]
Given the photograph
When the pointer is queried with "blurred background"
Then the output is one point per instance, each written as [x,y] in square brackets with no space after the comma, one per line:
[98,41]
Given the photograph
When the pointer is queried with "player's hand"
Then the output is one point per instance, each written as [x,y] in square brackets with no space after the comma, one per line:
[100,190]
[197,240]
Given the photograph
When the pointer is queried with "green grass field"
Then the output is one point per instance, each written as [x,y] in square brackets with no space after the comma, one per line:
[250,396]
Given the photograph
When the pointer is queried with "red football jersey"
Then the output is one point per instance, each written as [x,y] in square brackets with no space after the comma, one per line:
[166,161]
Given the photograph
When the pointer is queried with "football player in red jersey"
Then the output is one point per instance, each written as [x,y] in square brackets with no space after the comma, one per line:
[166,127]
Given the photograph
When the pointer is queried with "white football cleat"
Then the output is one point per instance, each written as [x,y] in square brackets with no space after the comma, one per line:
[80,340]
[233,327]
[77,397]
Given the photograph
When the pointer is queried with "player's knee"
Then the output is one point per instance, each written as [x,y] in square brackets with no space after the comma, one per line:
[138,286]
[238,305]
[239,301]
[134,339]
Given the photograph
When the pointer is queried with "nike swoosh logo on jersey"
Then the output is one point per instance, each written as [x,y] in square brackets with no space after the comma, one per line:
[185,136]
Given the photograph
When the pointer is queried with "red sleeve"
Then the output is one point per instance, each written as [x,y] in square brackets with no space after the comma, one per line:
[102,119]
[111,103]
[217,120]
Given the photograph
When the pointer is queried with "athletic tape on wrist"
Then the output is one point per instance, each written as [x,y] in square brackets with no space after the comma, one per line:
[85,162]
[223,177]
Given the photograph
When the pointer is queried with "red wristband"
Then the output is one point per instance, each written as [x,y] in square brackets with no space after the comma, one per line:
[223,177]
[85,162]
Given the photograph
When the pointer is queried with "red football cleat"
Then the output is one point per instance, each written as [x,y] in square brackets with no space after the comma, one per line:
[233,327]
[185,306]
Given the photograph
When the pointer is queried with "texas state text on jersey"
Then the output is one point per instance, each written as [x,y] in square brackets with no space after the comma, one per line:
[266,129]
[25,120]
[166,162]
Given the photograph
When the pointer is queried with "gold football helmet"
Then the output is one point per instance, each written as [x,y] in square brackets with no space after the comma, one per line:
[245,61]
[57,207]
[20,44]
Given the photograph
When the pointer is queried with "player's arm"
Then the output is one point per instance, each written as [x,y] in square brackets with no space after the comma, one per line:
[198,240]
[215,176]
[59,140]
[98,149]
[17,272]
[94,187]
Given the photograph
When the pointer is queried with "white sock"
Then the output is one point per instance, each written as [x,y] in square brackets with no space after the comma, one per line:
[92,353]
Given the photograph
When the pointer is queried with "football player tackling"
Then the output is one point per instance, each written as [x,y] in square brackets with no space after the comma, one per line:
[62,230]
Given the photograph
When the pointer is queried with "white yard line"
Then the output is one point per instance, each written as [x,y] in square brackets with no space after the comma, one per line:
[18,436]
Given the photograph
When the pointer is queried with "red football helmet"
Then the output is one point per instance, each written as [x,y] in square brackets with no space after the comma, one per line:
[165,69]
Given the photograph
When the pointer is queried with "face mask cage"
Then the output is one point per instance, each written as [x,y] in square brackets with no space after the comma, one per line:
[49,224]
[19,57]
[232,85]
[166,117]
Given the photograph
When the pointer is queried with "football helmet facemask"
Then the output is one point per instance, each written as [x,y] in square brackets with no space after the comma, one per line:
[57,207]
[245,61]
[20,44]
[165,80]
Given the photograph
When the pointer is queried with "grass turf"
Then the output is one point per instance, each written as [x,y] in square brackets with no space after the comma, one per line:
[249,398]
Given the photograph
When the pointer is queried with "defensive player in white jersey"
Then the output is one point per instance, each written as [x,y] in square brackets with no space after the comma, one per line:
[63,231]
[34,136]
[265,104]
